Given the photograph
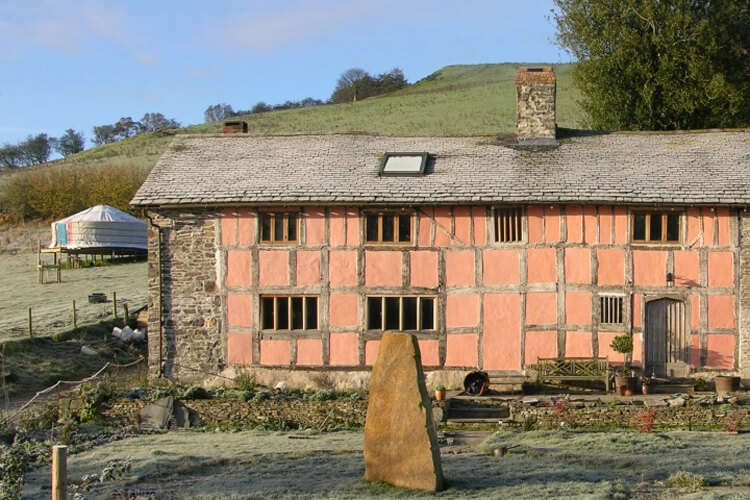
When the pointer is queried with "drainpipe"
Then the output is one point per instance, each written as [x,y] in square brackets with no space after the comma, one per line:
[159,289]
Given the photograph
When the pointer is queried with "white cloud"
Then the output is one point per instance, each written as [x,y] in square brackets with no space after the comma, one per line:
[300,20]
[146,58]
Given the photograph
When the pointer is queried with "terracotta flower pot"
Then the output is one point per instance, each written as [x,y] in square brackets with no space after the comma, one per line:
[646,389]
[726,383]
[439,394]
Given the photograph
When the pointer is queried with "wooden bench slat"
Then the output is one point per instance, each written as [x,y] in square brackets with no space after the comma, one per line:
[574,369]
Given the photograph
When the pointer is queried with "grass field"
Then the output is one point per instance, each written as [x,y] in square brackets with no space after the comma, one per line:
[539,464]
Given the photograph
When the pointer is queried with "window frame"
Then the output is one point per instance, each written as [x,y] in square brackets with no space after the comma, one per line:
[497,211]
[664,215]
[397,214]
[290,311]
[400,173]
[612,297]
[285,227]
[418,317]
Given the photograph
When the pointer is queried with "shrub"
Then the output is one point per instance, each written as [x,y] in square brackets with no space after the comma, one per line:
[733,420]
[244,380]
[645,420]
[93,397]
[196,392]
[685,480]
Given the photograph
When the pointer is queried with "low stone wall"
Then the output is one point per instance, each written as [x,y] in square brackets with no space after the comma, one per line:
[350,413]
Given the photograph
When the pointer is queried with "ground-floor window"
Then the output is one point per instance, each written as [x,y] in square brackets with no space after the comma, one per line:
[289,312]
[401,313]
[611,309]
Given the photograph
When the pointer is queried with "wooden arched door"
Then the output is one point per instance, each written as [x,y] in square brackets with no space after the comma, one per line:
[667,339]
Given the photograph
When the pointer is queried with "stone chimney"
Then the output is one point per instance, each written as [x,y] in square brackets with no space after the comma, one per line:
[535,94]
[235,127]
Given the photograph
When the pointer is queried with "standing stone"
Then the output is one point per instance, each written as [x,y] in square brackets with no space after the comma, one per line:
[400,439]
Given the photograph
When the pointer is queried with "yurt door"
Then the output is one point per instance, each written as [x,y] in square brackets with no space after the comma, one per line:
[667,340]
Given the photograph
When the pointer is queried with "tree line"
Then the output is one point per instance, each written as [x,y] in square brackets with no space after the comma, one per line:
[353,84]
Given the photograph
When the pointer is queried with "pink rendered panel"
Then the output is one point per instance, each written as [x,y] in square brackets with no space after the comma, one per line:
[574,223]
[461,350]
[352,227]
[423,268]
[637,310]
[605,225]
[637,350]
[605,351]
[687,268]
[343,349]
[342,267]
[428,350]
[578,265]
[246,222]
[382,268]
[695,351]
[228,226]
[315,229]
[621,225]
[693,216]
[541,265]
[502,332]
[720,269]
[578,344]
[239,268]
[308,267]
[425,227]
[239,349]
[720,351]
[540,345]
[442,226]
[459,268]
[695,311]
[552,224]
[721,311]
[541,308]
[309,352]
[479,215]
[708,227]
[649,267]
[239,310]
[343,309]
[578,308]
[611,270]
[724,228]
[534,218]
[372,347]
[337,223]
[462,311]
[462,221]
[273,267]
[275,352]
[589,224]
[501,267]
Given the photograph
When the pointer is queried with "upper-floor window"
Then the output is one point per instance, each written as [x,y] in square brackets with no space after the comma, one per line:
[508,224]
[656,227]
[401,313]
[388,227]
[278,227]
[289,313]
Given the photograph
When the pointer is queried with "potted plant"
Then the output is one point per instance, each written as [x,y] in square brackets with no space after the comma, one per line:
[699,384]
[439,393]
[646,385]
[623,376]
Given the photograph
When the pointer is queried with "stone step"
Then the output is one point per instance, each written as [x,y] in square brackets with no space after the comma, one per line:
[671,388]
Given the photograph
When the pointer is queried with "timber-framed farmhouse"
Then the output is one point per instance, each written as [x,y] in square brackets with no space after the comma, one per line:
[296,252]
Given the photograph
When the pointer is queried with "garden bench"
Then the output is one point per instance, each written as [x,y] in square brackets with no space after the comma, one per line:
[574,369]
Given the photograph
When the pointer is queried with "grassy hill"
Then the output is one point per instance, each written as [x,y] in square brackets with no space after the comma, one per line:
[456,100]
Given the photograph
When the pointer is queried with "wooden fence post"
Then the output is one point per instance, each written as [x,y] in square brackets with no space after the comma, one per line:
[126,313]
[114,304]
[59,472]
[31,331]
[75,320]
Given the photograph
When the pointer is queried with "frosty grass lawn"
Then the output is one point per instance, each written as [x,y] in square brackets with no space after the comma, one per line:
[538,464]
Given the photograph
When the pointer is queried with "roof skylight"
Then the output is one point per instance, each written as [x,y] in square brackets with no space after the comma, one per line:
[404,164]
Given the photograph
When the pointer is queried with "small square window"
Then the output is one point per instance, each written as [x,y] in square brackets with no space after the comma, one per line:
[404,164]
[388,228]
[656,227]
[611,309]
[508,224]
[278,227]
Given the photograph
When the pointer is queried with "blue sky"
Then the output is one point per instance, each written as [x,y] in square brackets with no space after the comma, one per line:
[79,63]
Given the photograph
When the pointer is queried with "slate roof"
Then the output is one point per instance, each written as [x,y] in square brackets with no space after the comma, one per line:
[618,168]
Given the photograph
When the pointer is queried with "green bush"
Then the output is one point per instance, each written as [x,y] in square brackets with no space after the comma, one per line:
[244,380]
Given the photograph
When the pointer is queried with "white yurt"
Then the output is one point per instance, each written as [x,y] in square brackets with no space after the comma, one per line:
[99,227]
